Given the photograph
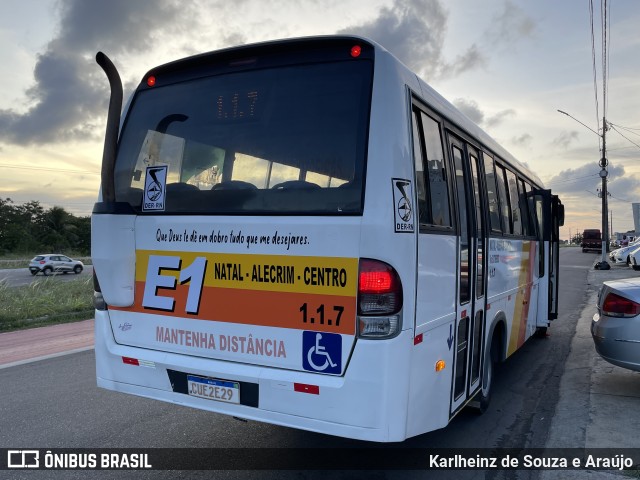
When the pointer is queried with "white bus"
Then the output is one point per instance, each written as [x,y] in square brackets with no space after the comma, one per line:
[304,233]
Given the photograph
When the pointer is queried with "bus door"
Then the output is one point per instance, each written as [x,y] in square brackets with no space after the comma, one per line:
[550,212]
[468,330]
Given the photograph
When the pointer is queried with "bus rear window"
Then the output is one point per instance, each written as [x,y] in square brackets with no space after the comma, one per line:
[281,140]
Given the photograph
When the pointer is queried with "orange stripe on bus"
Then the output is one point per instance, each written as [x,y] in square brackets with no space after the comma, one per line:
[255,307]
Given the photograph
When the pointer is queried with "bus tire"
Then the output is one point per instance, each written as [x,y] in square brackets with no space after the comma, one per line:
[481,401]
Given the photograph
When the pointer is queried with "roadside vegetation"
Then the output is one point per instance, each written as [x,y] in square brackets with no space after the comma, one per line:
[29,229]
[46,301]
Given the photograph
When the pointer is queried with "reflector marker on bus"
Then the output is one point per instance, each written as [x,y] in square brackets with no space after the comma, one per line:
[304,388]
[138,363]
[417,340]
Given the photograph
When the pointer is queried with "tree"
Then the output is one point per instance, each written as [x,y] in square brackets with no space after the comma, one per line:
[29,228]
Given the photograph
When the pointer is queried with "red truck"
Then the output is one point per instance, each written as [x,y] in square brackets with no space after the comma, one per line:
[591,240]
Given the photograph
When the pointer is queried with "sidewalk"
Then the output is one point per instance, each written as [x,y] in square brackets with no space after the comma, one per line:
[23,346]
[599,404]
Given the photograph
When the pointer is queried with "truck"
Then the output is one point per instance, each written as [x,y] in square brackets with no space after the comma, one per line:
[591,240]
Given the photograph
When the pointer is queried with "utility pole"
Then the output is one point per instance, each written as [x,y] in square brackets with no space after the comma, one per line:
[603,264]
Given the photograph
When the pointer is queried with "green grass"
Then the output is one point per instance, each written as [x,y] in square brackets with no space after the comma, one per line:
[21,260]
[45,302]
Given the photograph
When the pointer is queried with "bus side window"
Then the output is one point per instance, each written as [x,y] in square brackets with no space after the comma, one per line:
[531,206]
[514,202]
[527,225]
[438,185]
[504,200]
[492,195]
[423,208]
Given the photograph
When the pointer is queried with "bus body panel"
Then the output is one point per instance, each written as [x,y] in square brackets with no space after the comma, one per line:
[390,179]
[250,296]
[115,263]
[352,405]
[513,287]
[430,390]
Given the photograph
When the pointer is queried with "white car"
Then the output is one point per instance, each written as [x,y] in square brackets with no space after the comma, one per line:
[634,258]
[623,255]
[50,263]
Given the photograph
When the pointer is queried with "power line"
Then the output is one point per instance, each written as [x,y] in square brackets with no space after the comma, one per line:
[623,136]
[627,129]
[593,58]
[557,182]
[621,199]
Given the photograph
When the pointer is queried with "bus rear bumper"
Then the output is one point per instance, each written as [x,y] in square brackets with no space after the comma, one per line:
[351,406]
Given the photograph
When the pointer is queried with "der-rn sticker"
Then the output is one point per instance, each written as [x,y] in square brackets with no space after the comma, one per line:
[402,205]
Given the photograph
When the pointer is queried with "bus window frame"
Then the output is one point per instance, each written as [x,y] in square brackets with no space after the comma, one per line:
[503,196]
[416,107]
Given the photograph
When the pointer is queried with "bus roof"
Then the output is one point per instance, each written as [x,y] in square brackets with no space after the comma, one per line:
[312,45]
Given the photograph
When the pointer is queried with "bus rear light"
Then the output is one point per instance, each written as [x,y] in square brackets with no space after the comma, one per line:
[379,299]
[379,288]
[378,327]
[356,50]
[131,361]
[617,306]
[151,81]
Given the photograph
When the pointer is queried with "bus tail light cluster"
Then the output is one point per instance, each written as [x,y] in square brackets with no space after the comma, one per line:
[379,299]
[617,306]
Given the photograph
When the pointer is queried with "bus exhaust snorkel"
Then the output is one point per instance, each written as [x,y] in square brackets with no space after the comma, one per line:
[113,124]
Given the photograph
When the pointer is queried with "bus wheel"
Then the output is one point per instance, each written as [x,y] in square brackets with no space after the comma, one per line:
[481,401]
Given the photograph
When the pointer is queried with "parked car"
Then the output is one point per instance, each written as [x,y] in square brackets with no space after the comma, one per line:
[623,255]
[616,326]
[54,263]
[634,257]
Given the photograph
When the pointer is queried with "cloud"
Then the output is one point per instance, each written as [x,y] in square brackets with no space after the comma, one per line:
[509,26]
[69,94]
[500,117]
[565,139]
[523,140]
[414,31]
[586,178]
[470,108]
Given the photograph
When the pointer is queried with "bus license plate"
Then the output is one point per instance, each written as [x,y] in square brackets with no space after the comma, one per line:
[212,389]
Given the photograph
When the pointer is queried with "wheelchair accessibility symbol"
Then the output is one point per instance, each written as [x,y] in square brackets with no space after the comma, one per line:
[322,352]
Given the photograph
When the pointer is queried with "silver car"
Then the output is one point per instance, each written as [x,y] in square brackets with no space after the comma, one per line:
[54,263]
[616,327]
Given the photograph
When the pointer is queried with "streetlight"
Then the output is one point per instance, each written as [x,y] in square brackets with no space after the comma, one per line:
[603,264]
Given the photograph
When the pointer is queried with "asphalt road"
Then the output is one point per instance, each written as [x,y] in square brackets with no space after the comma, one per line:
[55,403]
[16,277]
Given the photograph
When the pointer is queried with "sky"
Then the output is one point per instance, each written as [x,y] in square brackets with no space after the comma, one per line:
[509,65]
